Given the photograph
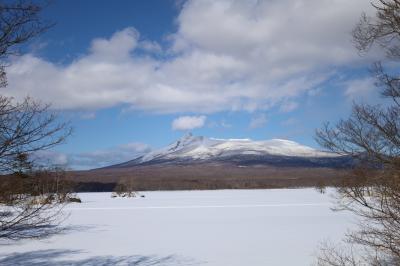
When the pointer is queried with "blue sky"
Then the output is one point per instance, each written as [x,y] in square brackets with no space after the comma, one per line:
[132,76]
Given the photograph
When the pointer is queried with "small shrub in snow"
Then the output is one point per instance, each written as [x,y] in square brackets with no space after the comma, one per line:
[75,200]
[124,189]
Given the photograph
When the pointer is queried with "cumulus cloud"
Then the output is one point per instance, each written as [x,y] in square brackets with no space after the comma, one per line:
[258,121]
[150,46]
[117,48]
[188,122]
[224,55]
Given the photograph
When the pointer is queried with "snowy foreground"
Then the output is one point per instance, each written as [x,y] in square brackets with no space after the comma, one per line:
[222,227]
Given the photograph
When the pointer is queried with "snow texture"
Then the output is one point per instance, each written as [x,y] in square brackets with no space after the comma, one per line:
[213,228]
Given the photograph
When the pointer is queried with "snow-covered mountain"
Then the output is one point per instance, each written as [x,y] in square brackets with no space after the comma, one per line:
[199,149]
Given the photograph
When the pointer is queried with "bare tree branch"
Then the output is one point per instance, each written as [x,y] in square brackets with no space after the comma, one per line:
[372,136]
[31,198]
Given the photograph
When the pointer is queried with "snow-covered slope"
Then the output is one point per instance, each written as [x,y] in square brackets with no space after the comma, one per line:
[198,148]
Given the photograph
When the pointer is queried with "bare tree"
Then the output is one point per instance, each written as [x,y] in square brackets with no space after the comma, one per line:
[350,255]
[19,22]
[372,136]
[26,128]
[31,198]
[124,188]
[32,204]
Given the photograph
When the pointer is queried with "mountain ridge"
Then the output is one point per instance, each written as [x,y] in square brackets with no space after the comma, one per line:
[191,149]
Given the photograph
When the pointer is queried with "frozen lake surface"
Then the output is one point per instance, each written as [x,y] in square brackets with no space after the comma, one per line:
[221,227]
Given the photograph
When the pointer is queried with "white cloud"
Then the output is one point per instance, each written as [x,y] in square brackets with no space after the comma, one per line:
[222,124]
[288,106]
[94,159]
[47,157]
[225,55]
[188,122]
[88,115]
[361,89]
[117,48]
[107,157]
[258,121]
[150,46]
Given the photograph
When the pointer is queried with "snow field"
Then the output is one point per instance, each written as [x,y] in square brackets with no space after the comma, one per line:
[221,227]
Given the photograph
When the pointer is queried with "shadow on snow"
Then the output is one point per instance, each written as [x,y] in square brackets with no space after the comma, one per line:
[54,257]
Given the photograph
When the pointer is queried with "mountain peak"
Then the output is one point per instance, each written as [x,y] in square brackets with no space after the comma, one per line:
[194,149]
[188,135]
[186,140]
[190,147]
